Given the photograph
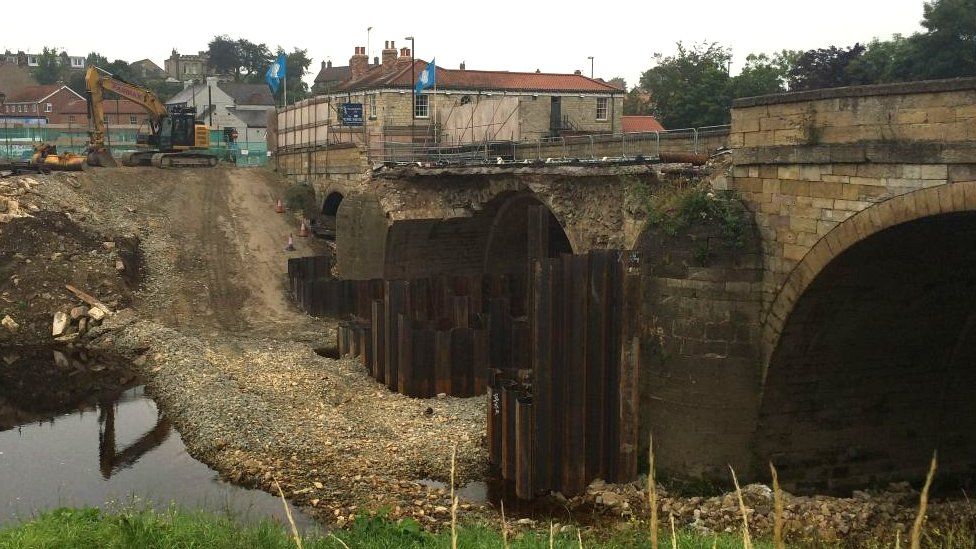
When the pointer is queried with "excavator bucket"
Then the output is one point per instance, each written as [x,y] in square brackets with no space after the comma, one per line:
[103,158]
[67,162]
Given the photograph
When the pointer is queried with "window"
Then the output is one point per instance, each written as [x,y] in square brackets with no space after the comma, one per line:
[48,107]
[602,104]
[32,60]
[421,106]
[105,119]
[133,119]
[372,105]
[71,119]
[33,108]
[77,62]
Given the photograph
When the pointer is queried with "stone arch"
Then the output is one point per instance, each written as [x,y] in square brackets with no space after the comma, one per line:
[506,247]
[330,213]
[942,199]
[872,367]
[330,206]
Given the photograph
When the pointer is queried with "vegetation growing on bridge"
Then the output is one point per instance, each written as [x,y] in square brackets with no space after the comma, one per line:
[676,207]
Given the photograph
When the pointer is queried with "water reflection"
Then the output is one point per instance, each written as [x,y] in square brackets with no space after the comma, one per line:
[109,459]
[85,433]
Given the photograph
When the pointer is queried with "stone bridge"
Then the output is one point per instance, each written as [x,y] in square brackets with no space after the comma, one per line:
[836,337]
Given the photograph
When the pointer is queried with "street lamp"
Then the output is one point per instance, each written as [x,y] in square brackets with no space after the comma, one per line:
[413,89]
[591,65]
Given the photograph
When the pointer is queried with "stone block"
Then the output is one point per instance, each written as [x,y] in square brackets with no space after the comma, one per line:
[938,171]
[825,226]
[797,188]
[803,224]
[794,252]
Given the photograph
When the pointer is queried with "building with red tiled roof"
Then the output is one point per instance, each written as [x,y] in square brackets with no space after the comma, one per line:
[468,106]
[46,101]
[640,124]
[118,112]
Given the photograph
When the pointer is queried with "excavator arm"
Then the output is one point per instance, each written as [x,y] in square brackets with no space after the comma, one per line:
[100,81]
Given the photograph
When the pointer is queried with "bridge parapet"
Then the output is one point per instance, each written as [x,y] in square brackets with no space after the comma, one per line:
[807,162]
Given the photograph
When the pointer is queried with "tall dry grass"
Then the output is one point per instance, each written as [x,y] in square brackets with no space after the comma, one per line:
[777,510]
[923,503]
[291,521]
[652,491]
[746,539]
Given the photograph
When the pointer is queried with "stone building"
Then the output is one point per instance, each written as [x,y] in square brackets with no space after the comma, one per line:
[467,106]
[187,67]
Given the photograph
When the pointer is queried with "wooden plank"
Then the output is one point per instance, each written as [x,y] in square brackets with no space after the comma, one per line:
[574,480]
[87,298]
[500,333]
[461,312]
[521,341]
[541,326]
[494,424]
[442,362]
[629,368]
[596,355]
[462,357]
[397,303]
[524,488]
[509,394]
[378,367]
[423,361]
[480,362]
[405,372]
[612,379]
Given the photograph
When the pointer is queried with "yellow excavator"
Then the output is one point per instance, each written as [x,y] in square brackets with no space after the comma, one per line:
[175,138]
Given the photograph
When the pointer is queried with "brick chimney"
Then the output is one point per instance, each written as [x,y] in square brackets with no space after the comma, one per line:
[358,63]
[404,59]
[389,56]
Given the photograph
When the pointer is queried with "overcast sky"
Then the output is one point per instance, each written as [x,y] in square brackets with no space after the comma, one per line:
[502,35]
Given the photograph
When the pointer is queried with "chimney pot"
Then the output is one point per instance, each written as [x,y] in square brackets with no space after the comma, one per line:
[328,64]
[577,72]
[358,63]
[323,64]
[376,60]
[462,65]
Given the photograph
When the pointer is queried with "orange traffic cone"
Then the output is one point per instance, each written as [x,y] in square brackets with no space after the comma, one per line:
[279,207]
[290,247]
[303,231]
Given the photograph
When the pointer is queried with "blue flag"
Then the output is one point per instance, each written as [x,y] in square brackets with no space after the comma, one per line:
[427,78]
[276,73]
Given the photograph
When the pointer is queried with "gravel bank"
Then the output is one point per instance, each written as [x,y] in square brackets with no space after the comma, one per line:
[339,443]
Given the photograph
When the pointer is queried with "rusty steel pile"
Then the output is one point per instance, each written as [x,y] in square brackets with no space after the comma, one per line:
[557,357]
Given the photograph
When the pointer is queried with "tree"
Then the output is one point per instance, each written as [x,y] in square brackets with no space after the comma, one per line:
[48,69]
[691,88]
[618,82]
[638,102]
[296,67]
[763,75]
[824,68]
[225,57]
[948,47]
[883,61]
[255,59]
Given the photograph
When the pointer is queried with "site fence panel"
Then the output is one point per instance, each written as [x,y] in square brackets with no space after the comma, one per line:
[17,142]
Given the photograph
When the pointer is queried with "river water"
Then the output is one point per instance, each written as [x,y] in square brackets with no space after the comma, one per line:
[80,432]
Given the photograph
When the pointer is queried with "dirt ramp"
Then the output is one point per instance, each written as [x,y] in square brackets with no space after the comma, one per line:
[213,244]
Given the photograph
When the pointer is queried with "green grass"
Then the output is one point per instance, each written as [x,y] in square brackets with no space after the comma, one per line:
[84,528]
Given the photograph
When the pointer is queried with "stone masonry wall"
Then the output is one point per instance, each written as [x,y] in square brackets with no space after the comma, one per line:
[806,163]
[699,365]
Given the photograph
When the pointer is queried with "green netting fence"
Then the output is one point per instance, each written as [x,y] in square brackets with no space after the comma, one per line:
[17,143]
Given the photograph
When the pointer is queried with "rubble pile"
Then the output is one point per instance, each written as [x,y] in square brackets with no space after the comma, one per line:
[48,241]
[866,515]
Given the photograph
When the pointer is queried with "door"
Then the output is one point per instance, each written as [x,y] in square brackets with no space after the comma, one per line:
[555,116]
